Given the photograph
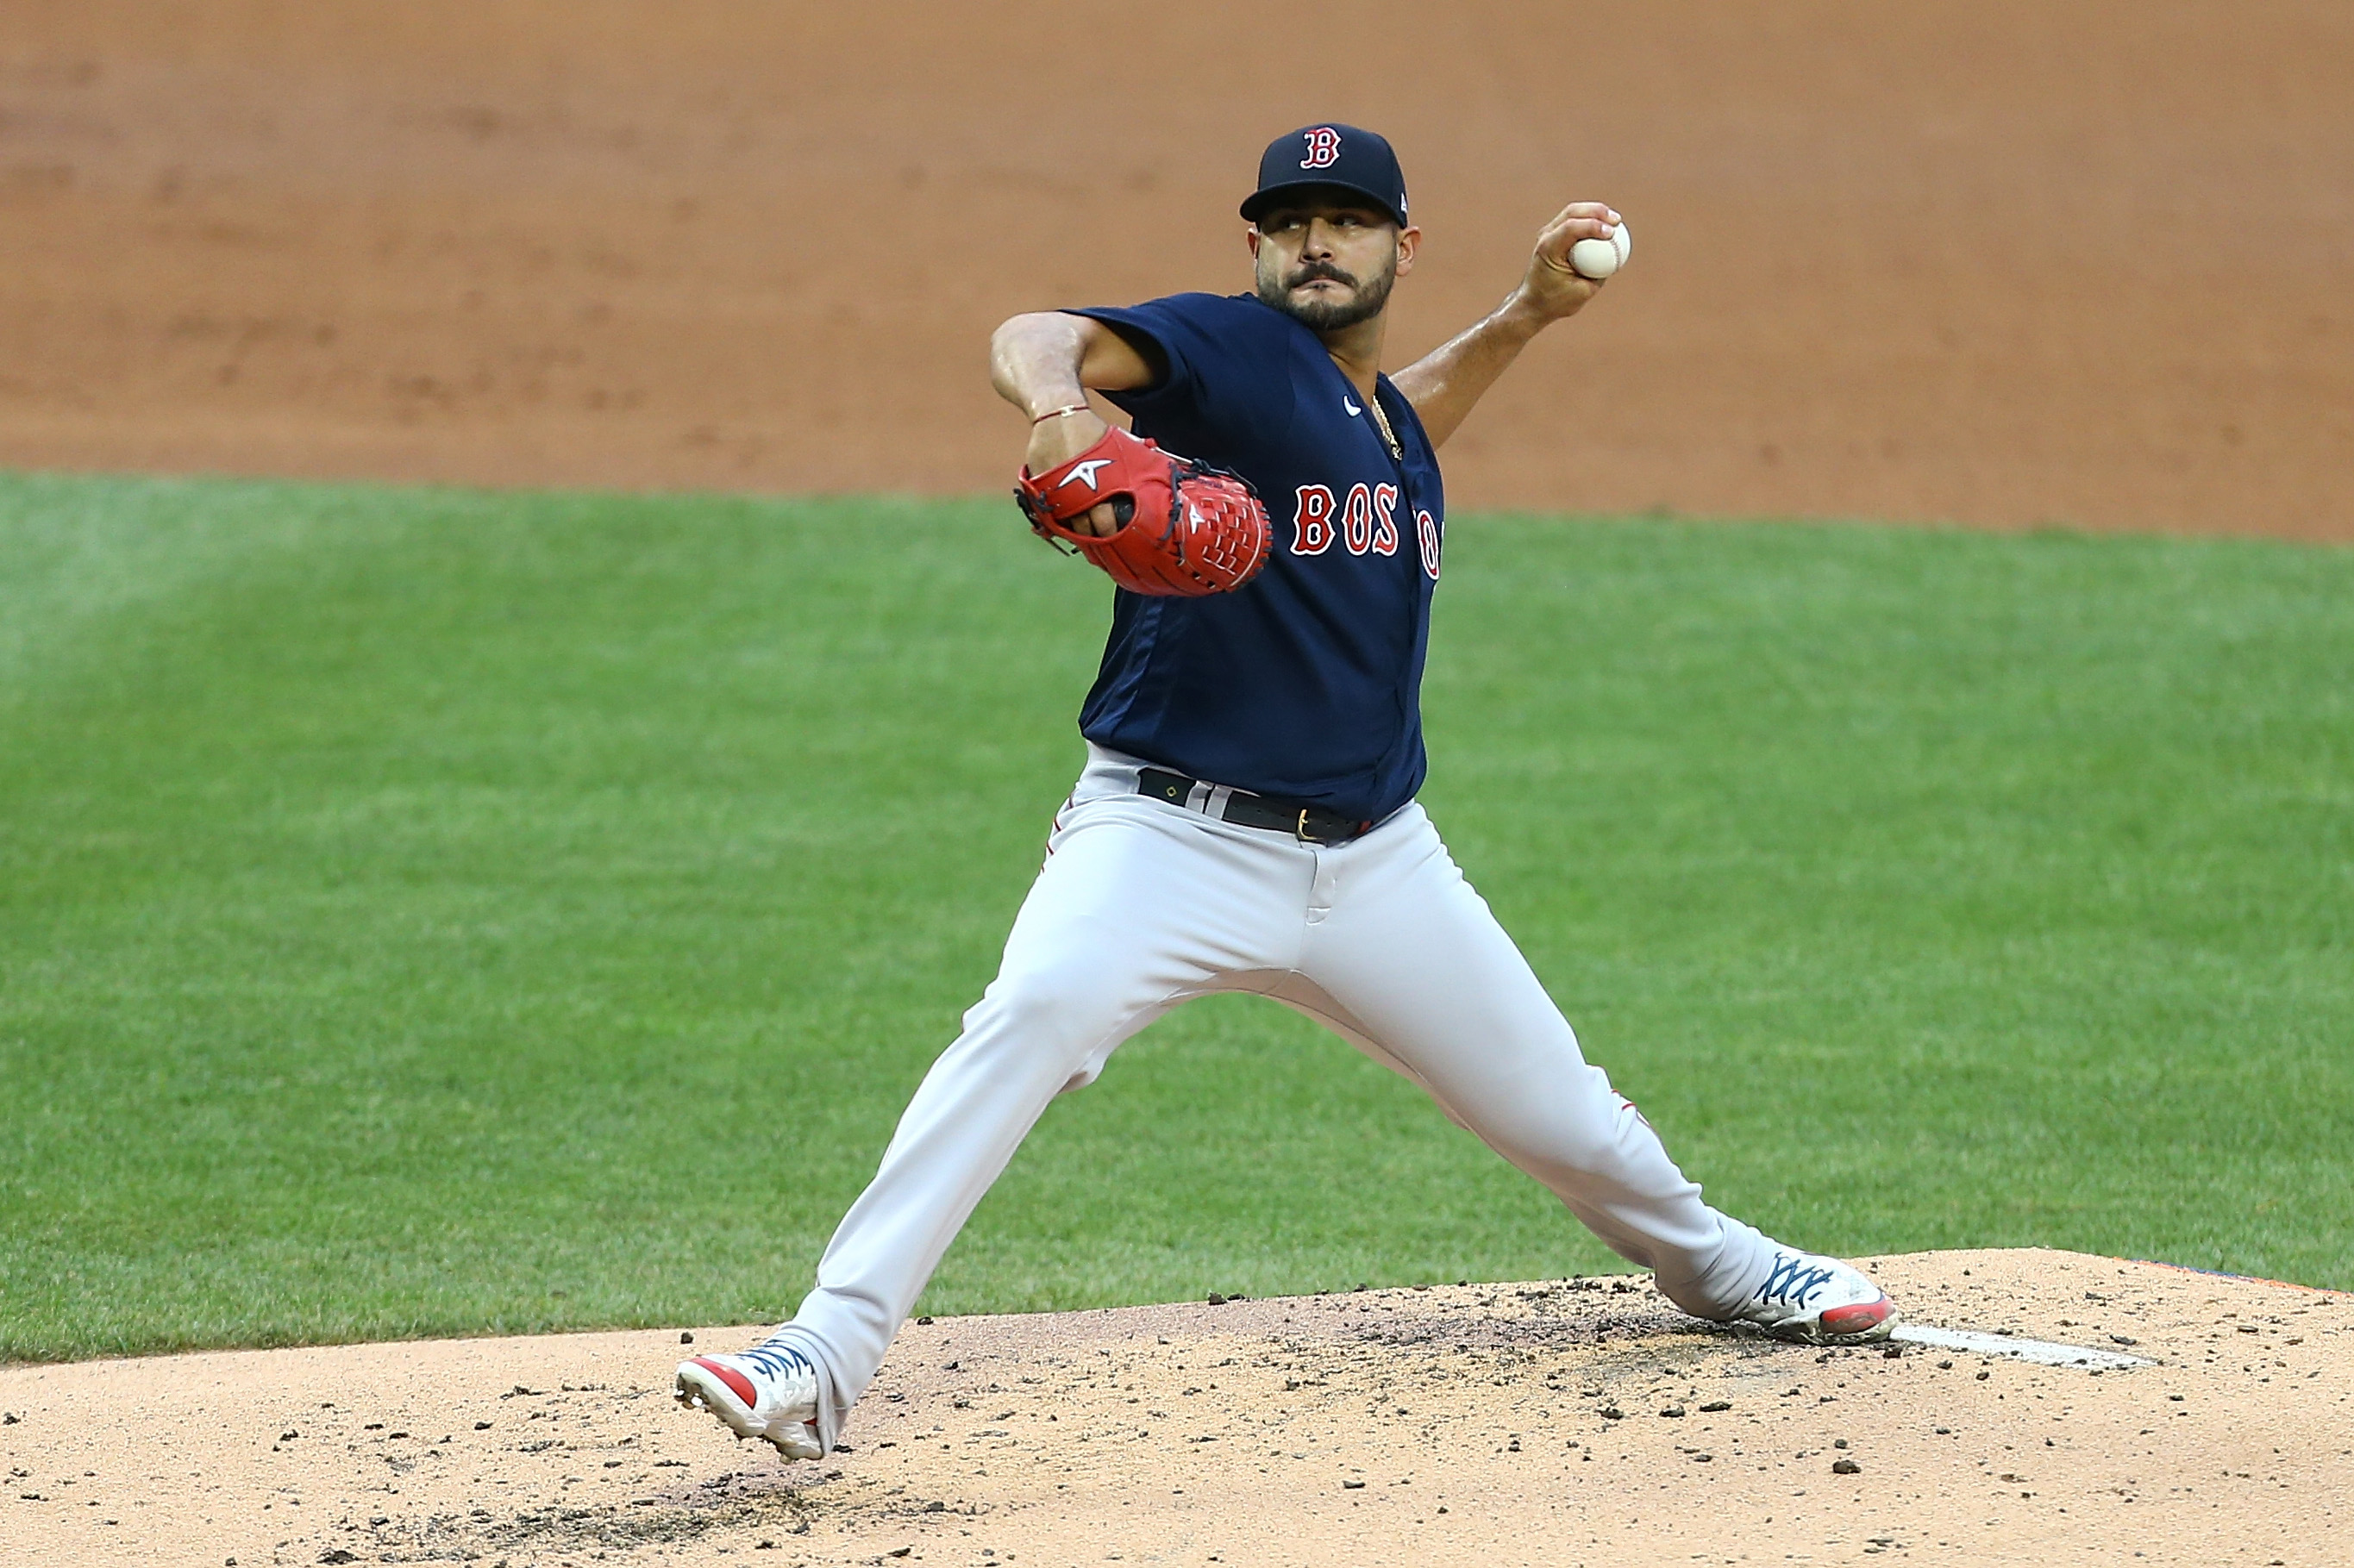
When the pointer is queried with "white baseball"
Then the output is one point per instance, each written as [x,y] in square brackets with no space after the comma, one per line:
[1599,257]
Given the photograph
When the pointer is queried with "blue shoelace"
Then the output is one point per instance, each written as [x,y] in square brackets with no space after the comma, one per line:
[775,1360]
[1792,1281]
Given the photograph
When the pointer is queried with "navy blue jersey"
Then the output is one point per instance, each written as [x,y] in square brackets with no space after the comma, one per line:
[1307,682]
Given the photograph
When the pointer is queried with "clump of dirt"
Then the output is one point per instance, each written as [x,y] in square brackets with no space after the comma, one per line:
[1528,1423]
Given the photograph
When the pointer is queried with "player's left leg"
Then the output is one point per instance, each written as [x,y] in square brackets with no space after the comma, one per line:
[1405,958]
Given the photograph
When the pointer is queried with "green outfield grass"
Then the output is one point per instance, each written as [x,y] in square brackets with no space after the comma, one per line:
[427,912]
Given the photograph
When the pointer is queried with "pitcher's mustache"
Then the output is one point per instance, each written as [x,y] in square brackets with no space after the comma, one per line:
[1314,271]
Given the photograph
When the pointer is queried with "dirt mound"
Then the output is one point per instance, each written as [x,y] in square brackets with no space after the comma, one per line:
[1977,259]
[1546,1423]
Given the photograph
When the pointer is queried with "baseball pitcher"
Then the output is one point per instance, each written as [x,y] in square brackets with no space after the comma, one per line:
[1246,819]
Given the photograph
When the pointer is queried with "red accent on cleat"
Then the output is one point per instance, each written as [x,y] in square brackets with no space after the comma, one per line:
[737,1384]
[1859,1318]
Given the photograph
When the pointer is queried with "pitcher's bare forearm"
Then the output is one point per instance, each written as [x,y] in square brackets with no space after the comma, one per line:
[1446,384]
[1048,360]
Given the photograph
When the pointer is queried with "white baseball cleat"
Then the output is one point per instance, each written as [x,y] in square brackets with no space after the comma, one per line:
[769,1392]
[1817,1300]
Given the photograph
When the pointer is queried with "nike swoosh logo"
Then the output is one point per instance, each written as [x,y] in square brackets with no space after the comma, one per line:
[1353,410]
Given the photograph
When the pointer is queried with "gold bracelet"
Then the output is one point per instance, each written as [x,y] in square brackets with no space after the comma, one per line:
[1065,412]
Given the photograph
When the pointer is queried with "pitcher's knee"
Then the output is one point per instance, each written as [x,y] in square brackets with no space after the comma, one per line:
[1059,1020]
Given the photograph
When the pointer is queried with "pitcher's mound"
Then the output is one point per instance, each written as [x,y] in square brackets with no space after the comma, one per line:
[1559,1421]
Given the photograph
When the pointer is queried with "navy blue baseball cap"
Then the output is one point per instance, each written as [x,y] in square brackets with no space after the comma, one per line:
[1330,155]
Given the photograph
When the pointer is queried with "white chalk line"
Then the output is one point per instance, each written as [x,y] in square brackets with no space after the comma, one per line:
[2043,1352]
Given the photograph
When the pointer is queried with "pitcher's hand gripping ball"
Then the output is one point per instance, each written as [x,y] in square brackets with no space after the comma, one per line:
[1186,528]
[1599,258]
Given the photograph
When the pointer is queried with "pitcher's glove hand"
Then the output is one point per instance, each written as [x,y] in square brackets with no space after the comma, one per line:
[1185,527]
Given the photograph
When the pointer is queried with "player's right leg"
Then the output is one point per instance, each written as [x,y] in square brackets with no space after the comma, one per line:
[1139,907]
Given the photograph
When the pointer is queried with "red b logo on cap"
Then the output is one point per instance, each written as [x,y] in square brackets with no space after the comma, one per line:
[1323,148]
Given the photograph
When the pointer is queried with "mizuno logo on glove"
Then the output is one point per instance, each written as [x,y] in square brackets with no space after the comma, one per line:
[1186,528]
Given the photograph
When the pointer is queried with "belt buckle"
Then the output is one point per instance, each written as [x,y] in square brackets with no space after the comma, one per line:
[1301,829]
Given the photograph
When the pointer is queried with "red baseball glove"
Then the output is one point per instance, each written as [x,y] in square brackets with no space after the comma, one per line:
[1184,527]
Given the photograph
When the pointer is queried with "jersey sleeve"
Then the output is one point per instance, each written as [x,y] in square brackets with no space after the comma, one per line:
[1220,365]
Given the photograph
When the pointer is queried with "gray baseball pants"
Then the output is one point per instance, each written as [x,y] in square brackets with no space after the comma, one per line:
[1143,905]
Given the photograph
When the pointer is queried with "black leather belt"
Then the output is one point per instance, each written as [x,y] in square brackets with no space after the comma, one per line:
[1310,824]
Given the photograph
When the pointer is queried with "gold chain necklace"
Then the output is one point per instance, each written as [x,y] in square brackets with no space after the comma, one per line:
[1374,404]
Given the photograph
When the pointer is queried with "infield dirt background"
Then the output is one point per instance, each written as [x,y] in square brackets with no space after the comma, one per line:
[1991,262]
[1537,1425]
